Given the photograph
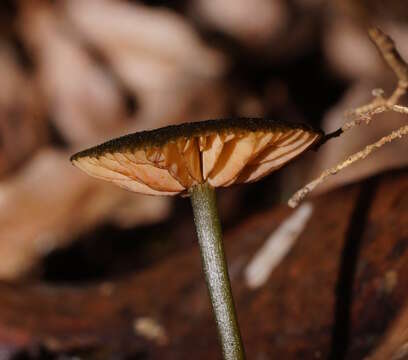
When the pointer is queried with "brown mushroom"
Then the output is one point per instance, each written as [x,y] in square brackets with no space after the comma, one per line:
[193,159]
[172,160]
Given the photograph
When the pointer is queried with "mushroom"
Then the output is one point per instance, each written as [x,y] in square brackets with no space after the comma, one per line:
[193,159]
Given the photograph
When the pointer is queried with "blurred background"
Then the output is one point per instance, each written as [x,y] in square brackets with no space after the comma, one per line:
[76,73]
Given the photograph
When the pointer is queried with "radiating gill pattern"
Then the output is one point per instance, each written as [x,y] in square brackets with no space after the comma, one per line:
[220,158]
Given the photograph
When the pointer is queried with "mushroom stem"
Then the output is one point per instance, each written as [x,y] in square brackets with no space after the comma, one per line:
[209,233]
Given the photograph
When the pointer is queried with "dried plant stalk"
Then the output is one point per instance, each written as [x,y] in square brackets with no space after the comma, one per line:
[301,194]
[389,52]
[364,114]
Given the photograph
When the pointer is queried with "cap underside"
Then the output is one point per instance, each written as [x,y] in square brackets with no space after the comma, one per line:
[171,160]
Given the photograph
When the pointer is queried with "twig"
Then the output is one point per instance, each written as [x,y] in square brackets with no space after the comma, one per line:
[364,114]
[389,52]
[301,194]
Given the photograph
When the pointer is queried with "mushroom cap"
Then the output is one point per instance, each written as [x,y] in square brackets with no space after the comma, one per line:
[171,160]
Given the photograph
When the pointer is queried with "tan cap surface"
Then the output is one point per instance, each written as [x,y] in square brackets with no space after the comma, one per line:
[171,160]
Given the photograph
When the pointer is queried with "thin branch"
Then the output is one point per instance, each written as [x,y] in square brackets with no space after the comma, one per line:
[364,113]
[302,193]
[389,53]
[400,109]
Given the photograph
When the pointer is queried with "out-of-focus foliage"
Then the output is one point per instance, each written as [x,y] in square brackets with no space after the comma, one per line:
[89,83]
[74,73]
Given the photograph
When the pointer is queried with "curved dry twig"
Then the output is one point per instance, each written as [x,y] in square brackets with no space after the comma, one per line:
[364,113]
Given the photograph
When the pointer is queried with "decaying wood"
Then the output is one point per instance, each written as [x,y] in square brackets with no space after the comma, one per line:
[395,343]
[292,315]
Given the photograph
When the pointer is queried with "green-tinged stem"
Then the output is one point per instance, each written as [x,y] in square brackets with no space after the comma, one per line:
[209,234]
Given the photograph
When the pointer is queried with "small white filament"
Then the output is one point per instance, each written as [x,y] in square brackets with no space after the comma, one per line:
[276,247]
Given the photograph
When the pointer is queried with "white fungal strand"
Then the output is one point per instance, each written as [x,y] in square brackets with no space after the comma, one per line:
[276,247]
